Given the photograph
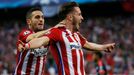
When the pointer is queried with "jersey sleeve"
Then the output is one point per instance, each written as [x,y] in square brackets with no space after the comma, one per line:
[24,34]
[17,55]
[82,39]
[54,34]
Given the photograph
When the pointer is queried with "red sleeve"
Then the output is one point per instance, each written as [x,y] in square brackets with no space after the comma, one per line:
[17,54]
[24,34]
[54,34]
[22,37]
[82,39]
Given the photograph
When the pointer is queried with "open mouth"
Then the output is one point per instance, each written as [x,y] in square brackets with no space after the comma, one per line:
[40,24]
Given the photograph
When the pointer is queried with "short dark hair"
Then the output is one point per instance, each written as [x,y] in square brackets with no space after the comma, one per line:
[66,9]
[29,13]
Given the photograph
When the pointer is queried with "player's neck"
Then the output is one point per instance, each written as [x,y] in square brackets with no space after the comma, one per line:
[30,28]
[68,25]
[33,29]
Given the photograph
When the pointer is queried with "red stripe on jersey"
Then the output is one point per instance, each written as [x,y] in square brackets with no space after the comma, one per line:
[18,53]
[54,49]
[58,50]
[56,56]
[43,68]
[81,62]
[30,60]
[64,55]
[82,39]
[74,59]
[37,66]
[21,62]
[64,58]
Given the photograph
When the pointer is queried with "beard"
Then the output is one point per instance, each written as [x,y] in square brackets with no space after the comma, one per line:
[76,26]
[38,29]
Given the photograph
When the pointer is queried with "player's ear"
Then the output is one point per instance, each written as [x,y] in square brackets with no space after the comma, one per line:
[69,17]
[28,21]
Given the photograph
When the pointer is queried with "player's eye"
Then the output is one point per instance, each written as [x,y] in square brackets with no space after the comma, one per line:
[42,16]
[37,17]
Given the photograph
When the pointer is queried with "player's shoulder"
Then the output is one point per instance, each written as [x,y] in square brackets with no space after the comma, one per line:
[25,32]
[58,28]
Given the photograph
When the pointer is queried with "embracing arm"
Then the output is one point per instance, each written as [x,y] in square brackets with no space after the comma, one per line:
[41,33]
[37,35]
[99,47]
[37,42]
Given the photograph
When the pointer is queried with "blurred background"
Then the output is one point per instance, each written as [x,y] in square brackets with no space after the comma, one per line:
[105,21]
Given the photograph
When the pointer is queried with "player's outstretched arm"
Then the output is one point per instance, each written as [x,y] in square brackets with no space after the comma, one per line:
[99,47]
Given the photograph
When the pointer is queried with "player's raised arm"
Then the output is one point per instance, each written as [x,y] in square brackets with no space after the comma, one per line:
[99,47]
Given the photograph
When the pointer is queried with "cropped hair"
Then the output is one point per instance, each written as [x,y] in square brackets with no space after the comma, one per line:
[66,9]
[29,13]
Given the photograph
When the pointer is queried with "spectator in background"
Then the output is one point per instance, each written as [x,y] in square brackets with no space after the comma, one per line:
[99,64]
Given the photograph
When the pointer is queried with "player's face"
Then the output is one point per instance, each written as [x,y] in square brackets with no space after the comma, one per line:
[37,20]
[77,18]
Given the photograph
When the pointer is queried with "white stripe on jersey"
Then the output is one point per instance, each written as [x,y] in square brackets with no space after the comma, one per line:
[78,61]
[59,50]
[83,61]
[41,65]
[24,67]
[33,66]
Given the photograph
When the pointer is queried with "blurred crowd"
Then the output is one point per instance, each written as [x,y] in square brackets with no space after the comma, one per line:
[118,29]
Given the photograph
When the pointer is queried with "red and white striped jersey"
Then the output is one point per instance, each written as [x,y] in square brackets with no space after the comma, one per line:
[30,62]
[66,48]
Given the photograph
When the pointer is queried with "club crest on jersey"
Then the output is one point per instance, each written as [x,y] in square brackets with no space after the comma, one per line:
[26,32]
[74,45]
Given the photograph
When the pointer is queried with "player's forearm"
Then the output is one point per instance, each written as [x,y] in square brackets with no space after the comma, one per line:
[41,33]
[36,35]
[94,46]
[36,43]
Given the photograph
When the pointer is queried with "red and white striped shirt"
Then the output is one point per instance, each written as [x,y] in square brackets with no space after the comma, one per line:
[30,62]
[66,48]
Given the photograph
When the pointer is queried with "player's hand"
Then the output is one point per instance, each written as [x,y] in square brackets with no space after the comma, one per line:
[59,25]
[109,47]
[21,46]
